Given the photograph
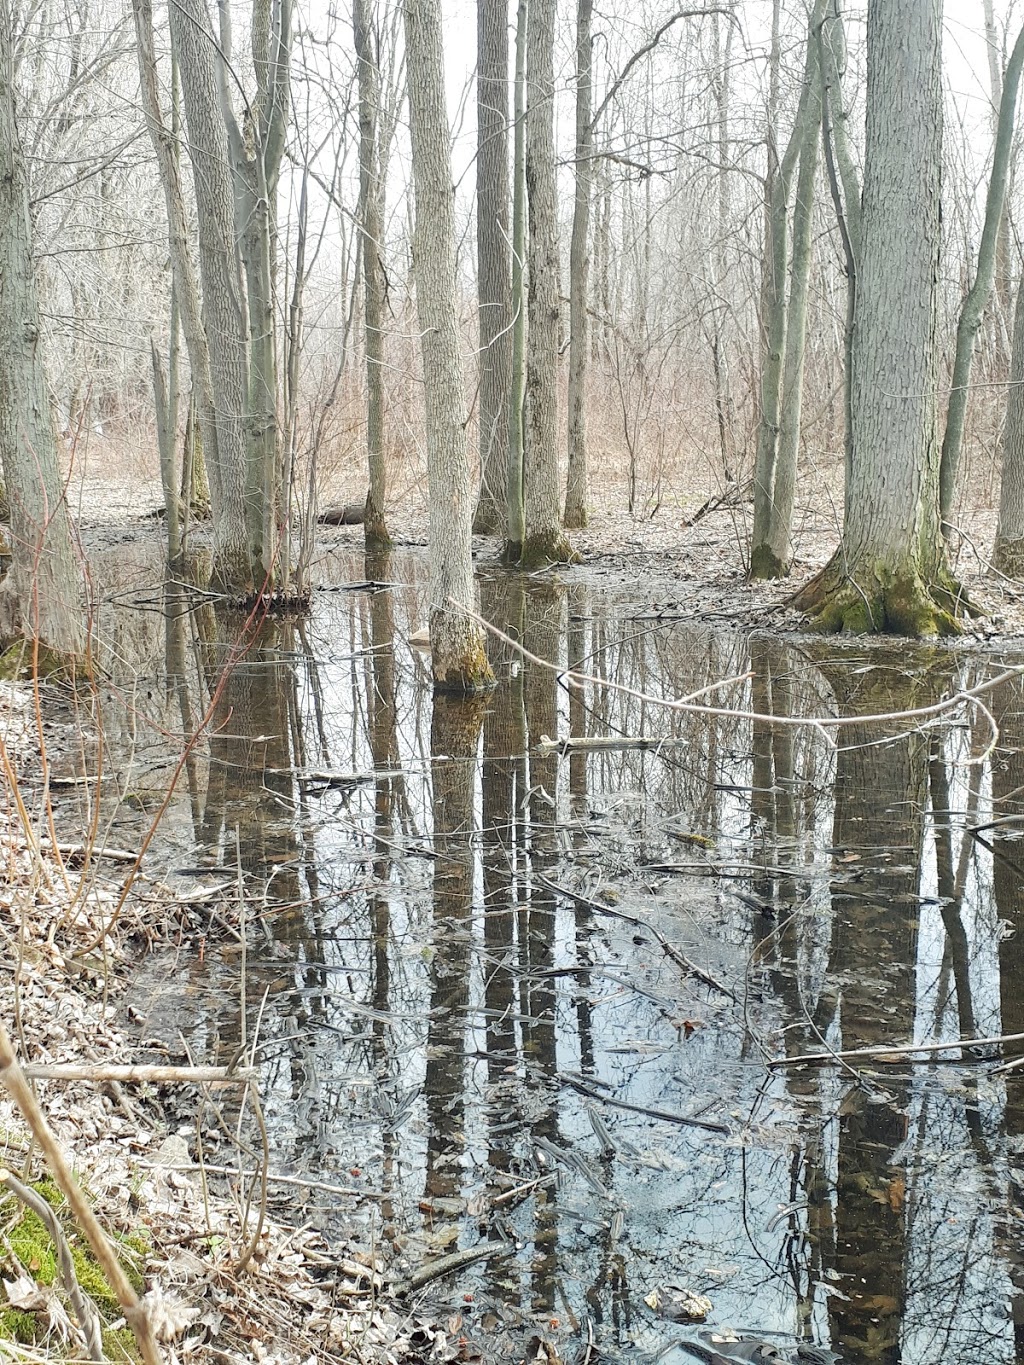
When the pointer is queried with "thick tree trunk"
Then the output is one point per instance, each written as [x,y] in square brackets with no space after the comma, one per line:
[545,542]
[40,597]
[579,271]
[459,660]
[224,313]
[890,572]
[371,216]
[494,286]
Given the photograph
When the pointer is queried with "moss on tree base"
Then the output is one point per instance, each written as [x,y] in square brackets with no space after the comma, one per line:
[575,517]
[884,601]
[766,564]
[467,676]
[546,547]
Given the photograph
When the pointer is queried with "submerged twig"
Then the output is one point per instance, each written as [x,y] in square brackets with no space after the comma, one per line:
[680,959]
[139,1075]
[85,1310]
[900,1052]
[456,1260]
[685,1120]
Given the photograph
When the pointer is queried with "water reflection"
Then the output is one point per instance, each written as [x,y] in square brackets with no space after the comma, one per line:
[495,1057]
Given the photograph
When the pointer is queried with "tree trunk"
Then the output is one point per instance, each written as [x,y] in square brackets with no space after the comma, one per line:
[783,354]
[579,270]
[1004,254]
[494,288]
[1008,554]
[978,295]
[40,597]
[224,313]
[459,660]
[516,533]
[890,572]
[371,217]
[545,542]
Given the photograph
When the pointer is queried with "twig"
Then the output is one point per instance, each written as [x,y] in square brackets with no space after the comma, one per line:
[680,959]
[457,1260]
[21,1092]
[899,1051]
[139,1075]
[821,724]
[194,1168]
[685,1120]
[85,1310]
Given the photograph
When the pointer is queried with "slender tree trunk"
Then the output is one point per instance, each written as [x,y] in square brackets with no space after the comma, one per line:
[890,572]
[516,510]
[579,271]
[236,559]
[494,285]
[371,215]
[545,542]
[1004,258]
[1008,555]
[844,185]
[40,596]
[770,551]
[183,271]
[459,660]
[978,295]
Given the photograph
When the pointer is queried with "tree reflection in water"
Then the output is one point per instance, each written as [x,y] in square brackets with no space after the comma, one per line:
[429,991]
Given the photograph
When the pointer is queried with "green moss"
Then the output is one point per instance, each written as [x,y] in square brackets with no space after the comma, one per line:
[547,547]
[17,1325]
[32,1245]
[765,563]
[22,657]
[896,602]
[470,676]
[119,1344]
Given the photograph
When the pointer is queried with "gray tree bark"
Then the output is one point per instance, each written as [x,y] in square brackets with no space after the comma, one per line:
[40,596]
[494,285]
[545,542]
[516,530]
[371,216]
[1008,554]
[890,572]
[978,295]
[784,326]
[458,657]
[224,314]
[579,271]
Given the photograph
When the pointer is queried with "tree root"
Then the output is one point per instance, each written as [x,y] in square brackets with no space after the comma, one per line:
[885,601]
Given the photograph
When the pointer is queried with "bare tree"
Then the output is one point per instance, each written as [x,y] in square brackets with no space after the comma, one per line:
[459,659]
[579,270]
[494,284]
[890,572]
[371,216]
[544,542]
[39,599]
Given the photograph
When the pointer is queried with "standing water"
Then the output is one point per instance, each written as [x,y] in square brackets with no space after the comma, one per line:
[535,990]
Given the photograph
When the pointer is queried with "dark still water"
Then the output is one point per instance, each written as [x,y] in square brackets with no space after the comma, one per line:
[530,993]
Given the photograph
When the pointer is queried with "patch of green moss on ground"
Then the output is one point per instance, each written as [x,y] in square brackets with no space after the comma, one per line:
[31,1243]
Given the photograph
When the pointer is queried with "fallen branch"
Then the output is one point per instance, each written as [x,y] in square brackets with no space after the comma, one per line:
[821,724]
[578,743]
[457,1260]
[195,1167]
[24,1097]
[140,1075]
[666,1115]
[84,1308]
[896,1052]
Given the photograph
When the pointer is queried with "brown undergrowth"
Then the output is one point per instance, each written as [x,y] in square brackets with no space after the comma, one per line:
[222,1278]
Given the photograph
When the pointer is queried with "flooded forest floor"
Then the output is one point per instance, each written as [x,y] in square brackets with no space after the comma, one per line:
[585,1027]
